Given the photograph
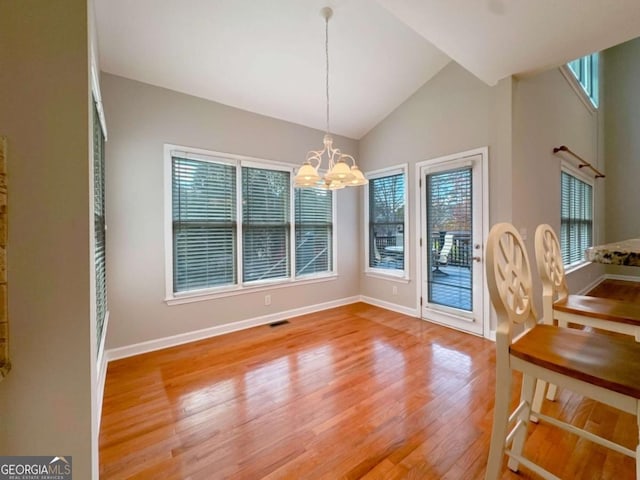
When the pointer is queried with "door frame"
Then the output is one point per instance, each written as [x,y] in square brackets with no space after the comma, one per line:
[484,154]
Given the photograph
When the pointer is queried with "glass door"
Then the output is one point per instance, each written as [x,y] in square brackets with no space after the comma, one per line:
[451,231]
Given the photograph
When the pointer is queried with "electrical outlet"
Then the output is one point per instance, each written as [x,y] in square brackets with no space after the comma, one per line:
[394,290]
[267,300]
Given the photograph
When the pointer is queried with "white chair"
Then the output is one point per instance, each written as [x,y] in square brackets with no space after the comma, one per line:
[600,366]
[558,304]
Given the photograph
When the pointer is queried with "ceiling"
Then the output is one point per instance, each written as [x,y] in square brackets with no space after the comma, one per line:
[267,57]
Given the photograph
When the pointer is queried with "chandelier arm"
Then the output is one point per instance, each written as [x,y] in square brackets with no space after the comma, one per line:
[345,156]
[315,156]
[334,156]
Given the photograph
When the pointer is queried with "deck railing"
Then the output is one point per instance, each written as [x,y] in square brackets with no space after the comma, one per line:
[461,254]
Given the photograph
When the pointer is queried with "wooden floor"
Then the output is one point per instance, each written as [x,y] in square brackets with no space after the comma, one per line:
[353,392]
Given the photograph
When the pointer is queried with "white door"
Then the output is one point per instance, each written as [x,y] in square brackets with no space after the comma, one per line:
[451,243]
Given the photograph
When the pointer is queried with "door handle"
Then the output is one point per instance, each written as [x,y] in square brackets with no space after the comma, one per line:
[476,259]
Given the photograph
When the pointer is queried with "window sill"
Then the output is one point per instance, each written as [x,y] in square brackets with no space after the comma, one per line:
[575,267]
[400,278]
[209,294]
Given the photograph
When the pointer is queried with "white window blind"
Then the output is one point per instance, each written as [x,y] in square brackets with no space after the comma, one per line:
[99,223]
[576,228]
[386,222]
[265,223]
[204,224]
[314,231]
[231,227]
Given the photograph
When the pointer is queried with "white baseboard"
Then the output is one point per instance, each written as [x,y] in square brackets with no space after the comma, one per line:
[182,338]
[628,278]
[412,312]
[591,286]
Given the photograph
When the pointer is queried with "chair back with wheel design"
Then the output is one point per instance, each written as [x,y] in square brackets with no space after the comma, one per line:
[550,269]
[509,279]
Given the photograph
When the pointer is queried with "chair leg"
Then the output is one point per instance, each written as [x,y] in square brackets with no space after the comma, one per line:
[538,397]
[526,396]
[552,392]
[500,424]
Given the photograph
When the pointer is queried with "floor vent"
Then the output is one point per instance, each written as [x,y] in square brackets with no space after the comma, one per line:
[277,324]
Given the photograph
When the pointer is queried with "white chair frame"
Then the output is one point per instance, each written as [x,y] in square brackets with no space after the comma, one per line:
[554,288]
[509,281]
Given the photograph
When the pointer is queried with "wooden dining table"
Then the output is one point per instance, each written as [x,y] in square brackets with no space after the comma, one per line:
[626,252]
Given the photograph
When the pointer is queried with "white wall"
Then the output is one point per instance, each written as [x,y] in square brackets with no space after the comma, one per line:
[453,112]
[140,119]
[548,113]
[622,144]
[45,401]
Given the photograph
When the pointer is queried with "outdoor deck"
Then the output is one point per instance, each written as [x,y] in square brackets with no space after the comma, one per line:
[451,286]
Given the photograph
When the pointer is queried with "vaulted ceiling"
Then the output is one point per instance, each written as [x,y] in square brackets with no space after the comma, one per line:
[267,57]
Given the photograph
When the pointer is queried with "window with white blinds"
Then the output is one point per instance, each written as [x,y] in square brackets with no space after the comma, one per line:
[204,224]
[231,225]
[576,226]
[99,224]
[314,231]
[386,218]
[265,223]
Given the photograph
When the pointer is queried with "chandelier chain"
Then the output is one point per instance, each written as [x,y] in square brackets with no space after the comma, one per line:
[339,174]
[326,52]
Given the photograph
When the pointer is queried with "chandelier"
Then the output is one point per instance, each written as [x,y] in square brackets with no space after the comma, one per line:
[339,173]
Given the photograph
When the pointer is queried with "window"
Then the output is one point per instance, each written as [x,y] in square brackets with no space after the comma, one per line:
[386,199]
[265,223]
[204,223]
[314,231]
[585,70]
[231,228]
[99,223]
[576,226]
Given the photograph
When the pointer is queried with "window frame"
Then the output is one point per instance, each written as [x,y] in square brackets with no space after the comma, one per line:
[99,223]
[241,286]
[581,90]
[332,260]
[568,168]
[386,273]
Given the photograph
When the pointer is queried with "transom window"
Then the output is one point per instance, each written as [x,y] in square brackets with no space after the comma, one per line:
[586,71]
[386,217]
[231,227]
[576,224]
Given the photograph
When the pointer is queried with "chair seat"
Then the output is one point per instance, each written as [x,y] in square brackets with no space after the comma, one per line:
[608,361]
[601,308]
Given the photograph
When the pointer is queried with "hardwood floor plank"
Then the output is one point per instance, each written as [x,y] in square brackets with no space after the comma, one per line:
[352,392]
